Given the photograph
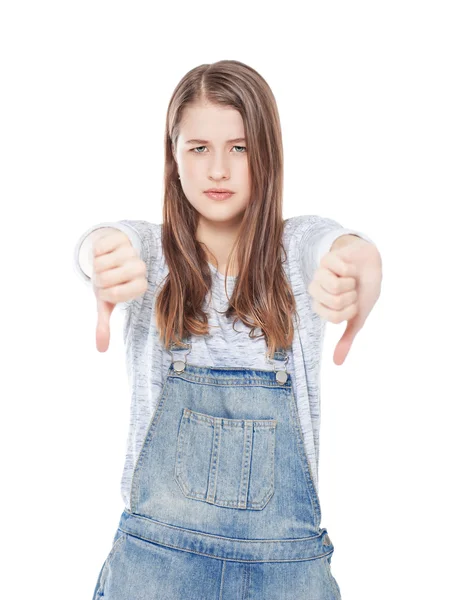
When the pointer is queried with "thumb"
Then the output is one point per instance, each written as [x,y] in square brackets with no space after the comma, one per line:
[344,345]
[104,309]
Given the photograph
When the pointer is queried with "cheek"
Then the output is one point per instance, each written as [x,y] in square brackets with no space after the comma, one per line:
[192,170]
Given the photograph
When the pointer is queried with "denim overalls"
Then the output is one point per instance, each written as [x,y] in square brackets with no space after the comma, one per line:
[223,505]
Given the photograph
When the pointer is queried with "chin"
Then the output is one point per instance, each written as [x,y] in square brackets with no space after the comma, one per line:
[221,216]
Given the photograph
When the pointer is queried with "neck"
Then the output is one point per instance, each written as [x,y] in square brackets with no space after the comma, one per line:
[218,239]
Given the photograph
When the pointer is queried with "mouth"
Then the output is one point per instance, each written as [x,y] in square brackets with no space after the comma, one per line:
[219,195]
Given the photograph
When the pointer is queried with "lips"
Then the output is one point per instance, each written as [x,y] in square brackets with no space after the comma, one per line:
[219,195]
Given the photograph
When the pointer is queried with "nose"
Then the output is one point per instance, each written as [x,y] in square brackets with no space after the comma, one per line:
[218,168]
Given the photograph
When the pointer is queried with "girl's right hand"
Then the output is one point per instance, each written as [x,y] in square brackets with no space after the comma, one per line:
[119,275]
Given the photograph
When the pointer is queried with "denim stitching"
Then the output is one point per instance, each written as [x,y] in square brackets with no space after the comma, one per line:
[214,462]
[222,579]
[134,493]
[314,498]
[245,466]
[239,560]
[220,381]
[333,584]
[107,562]
[222,537]
[246,583]
[206,495]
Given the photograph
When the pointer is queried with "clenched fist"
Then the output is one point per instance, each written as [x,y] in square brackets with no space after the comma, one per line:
[119,275]
[346,287]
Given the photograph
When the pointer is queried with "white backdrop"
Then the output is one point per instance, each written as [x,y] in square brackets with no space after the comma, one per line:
[369,96]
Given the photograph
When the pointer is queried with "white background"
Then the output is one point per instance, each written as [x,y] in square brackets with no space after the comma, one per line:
[370,101]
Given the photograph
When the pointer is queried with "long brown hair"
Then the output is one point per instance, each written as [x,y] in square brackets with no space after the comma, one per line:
[262,296]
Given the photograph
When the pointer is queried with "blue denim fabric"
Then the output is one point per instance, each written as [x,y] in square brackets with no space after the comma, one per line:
[223,505]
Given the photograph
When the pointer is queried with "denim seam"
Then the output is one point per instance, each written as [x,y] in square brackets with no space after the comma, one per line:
[244,480]
[259,423]
[158,411]
[313,495]
[246,583]
[108,561]
[214,463]
[331,579]
[223,567]
[231,381]
[221,537]
[239,560]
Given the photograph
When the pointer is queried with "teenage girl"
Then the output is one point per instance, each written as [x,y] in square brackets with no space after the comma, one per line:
[223,346]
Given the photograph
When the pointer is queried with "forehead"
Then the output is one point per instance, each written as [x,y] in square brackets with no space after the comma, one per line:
[211,122]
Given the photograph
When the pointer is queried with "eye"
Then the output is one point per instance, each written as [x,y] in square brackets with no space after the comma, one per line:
[198,147]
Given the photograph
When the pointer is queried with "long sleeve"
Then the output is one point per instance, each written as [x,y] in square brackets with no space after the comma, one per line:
[318,236]
[83,265]
[142,235]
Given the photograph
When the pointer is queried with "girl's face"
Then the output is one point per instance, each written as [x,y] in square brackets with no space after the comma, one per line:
[212,153]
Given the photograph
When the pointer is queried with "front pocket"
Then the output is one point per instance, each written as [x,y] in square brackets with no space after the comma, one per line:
[226,462]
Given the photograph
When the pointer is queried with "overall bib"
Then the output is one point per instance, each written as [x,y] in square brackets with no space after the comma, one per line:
[223,505]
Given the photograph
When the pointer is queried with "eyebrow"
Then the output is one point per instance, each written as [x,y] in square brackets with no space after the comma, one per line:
[208,142]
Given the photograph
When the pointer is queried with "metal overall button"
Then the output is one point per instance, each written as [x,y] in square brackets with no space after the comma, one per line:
[281,374]
[179,365]
[281,377]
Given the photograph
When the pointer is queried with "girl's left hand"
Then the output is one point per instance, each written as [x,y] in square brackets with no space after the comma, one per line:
[345,287]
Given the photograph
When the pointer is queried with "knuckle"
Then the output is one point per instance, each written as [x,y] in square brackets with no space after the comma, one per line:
[336,286]
[104,278]
[345,269]
[113,295]
[338,302]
